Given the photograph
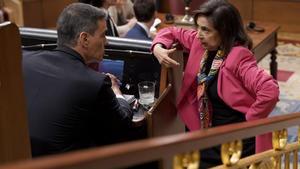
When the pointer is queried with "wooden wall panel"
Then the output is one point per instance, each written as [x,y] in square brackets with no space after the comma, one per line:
[52,9]
[177,6]
[284,12]
[33,13]
[43,13]
[245,8]
[163,6]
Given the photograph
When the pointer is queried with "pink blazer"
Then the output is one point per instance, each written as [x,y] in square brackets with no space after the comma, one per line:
[241,84]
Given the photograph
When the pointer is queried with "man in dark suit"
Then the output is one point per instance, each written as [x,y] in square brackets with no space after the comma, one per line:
[145,14]
[69,105]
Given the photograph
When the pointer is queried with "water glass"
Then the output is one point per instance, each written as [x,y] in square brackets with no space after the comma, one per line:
[146,93]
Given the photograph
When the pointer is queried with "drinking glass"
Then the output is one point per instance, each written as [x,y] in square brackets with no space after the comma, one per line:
[146,93]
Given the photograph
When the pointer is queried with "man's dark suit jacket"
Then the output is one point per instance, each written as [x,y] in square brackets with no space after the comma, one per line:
[69,105]
[137,32]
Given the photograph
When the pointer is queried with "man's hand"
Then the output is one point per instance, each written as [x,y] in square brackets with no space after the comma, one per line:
[115,84]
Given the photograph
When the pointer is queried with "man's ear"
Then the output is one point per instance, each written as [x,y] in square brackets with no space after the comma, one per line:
[83,39]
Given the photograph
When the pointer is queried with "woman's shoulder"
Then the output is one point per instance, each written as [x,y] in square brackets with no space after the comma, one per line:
[239,55]
[240,50]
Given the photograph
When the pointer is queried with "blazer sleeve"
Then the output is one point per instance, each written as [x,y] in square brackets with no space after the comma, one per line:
[117,113]
[169,36]
[258,83]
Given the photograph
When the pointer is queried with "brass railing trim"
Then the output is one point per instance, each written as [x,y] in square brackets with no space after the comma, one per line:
[287,160]
[295,159]
[260,157]
[279,139]
[188,160]
[231,152]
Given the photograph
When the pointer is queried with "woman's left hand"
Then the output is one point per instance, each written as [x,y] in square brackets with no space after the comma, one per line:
[163,56]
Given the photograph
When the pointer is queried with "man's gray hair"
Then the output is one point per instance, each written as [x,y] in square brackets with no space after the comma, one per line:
[77,18]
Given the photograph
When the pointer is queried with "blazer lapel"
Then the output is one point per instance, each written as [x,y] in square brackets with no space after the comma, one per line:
[191,70]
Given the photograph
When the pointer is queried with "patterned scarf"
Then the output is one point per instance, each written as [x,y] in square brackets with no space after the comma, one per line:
[205,108]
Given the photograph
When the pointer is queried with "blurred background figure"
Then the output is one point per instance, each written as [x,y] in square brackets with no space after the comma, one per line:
[145,14]
[3,13]
[105,4]
[121,12]
[123,16]
[112,28]
[12,11]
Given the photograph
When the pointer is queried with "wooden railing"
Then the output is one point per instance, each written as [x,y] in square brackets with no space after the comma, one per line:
[14,136]
[162,149]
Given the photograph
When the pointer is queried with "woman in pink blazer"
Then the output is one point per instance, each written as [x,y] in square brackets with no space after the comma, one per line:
[222,83]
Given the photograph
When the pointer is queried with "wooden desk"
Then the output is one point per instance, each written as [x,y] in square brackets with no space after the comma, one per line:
[160,120]
[263,42]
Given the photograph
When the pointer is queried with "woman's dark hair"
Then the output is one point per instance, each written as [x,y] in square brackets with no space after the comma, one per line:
[227,21]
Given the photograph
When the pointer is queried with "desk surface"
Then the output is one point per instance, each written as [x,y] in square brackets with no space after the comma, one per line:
[259,37]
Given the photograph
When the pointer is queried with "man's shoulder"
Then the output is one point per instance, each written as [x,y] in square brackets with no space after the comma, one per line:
[92,76]
[30,57]
[31,53]
[137,32]
[138,28]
